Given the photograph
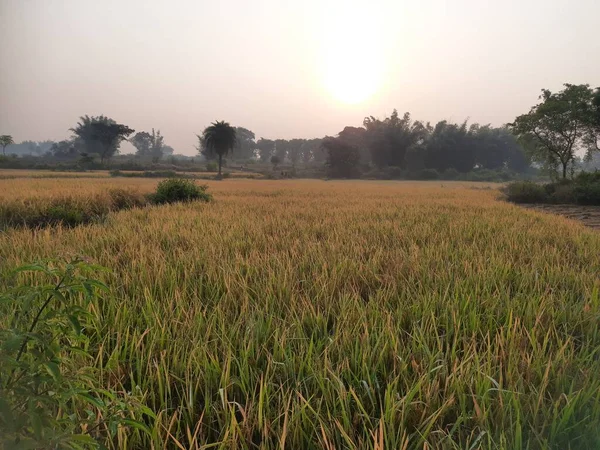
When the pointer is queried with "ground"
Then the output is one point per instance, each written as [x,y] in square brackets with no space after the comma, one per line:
[341,314]
[588,215]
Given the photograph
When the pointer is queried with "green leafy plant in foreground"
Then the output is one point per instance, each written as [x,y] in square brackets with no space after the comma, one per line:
[49,394]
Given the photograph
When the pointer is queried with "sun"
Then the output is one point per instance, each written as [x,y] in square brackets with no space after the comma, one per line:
[351,51]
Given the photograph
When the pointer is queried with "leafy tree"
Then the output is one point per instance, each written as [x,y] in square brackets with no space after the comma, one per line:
[168,150]
[295,150]
[100,135]
[282,148]
[149,144]
[314,151]
[497,148]
[5,141]
[450,146]
[559,124]
[343,159]
[141,142]
[388,140]
[64,150]
[592,137]
[266,148]
[219,138]
[245,143]
[275,160]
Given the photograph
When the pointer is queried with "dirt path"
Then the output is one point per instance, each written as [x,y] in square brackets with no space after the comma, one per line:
[588,215]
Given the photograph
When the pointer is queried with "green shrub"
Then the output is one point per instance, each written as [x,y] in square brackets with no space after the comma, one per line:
[525,192]
[562,193]
[50,397]
[450,174]
[179,190]
[212,166]
[65,214]
[587,193]
[428,174]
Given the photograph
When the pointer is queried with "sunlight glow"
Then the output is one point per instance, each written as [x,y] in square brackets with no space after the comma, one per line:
[352,53]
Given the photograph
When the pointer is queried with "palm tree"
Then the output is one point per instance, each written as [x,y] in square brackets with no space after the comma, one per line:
[5,141]
[220,138]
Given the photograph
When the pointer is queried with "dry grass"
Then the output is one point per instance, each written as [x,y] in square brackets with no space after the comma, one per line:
[312,314]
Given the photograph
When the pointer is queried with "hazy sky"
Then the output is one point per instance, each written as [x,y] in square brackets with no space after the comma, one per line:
[284,69]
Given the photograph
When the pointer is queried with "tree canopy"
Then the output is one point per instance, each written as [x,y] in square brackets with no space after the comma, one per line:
[100,135]
[5,141]
[219,138]
[560,124]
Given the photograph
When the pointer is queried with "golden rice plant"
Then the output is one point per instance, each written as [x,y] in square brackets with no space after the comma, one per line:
[347,315]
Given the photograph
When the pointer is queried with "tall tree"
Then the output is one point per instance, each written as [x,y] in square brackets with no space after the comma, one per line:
[342,158]
[266,147]
[295,150]
[388,140]
[141,142]
[592,138]
[219,138]
[559,124]
[64,150]
[148,144]
[246,143]
[5,141]
[157,145]
[450,146]
[100,135]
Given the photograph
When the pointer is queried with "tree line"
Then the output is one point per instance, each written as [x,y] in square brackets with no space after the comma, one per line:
[550,136]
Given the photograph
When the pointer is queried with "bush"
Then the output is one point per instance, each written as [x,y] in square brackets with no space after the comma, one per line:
[179,190]
[562,193]
[450,174]
[49,395]
[525,192]
[212,166]
[428,174]
[587,193]
[584,189]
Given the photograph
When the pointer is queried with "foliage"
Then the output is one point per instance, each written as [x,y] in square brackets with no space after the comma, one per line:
[211,167]
[525,192]
[149,144]
[5,141]
[388,140]
[584,189]
[245,143]
[179,190]
[342,158]
[100,135]
[559,125]
[275,160]
[49,391]
[266,148]
[219,138]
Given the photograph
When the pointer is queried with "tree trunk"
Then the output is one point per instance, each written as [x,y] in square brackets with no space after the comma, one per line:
[220,162]
[564,171]
[4,150]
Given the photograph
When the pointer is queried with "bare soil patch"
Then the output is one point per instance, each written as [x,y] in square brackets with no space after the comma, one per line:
[588,215]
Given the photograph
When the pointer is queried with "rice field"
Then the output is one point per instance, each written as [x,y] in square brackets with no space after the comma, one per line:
[339,315]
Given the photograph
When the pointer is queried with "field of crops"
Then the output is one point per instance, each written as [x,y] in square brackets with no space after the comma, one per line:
[320,314]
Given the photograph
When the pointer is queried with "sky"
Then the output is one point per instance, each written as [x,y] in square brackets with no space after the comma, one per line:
[284,69]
